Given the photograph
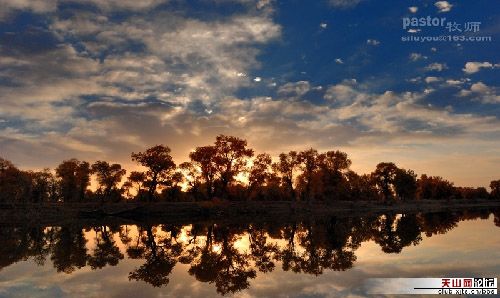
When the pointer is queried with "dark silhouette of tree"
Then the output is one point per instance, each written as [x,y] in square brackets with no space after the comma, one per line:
[160,166]
[231,154]
[136,180]
[495,189]
[309,162]
[471,193]
[285,169]
[15,185]
[74,178]
[333,166]
[361,187]
[108,177]
[384,176]
[405,184]
[263,183]
[44,186]
[434,188]
[205,159]
[193,177]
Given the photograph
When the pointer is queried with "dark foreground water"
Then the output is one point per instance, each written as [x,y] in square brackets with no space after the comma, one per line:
[330,257]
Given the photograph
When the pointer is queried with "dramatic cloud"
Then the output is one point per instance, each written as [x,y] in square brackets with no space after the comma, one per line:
[99,79]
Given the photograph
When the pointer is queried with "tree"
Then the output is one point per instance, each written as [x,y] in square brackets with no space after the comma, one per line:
[495,189]
[333,166]
[160,166]
[231,154]
[309,162]
[108,177]
[383,176]
[74,178]
[259,172]
[361,187]
[434,188]
[136,179]
[44,186]
[205,159]
[285,168]
[192,175]
[263,183]
[405,184]
[15,185]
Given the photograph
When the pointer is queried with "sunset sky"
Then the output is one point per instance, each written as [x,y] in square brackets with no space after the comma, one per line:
[99,79]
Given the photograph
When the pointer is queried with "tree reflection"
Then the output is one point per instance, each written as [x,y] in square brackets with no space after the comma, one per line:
[160,254]
[221,263]
[394,233]
[106,252]
[69,251]
[228,256]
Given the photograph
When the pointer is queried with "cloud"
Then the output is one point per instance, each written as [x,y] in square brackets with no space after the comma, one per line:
[417,56]
[323,25]
[443,6]
[473,67]
[294,89]
[432,79]
[454,82]
[36,6]
[373,42]
[481,92]
[339,61]
[413,9]
[436,67]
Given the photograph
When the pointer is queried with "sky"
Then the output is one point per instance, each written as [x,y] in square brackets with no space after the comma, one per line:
[97,80]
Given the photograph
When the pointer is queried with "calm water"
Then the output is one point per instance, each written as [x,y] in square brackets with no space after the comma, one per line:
[331,257]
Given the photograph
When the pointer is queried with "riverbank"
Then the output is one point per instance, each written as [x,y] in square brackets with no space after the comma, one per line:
[183,212]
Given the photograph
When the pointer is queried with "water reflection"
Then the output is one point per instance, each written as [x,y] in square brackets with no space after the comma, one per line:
[228,256]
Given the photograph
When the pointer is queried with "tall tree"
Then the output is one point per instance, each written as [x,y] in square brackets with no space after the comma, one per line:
[495,189]
[259,172]
[405,184]
[383,176]
[205,159]
[74,178]
[333,167]
[15,185]
[309,162]
[285,168]
[108,177]
[160,166]
[230,158]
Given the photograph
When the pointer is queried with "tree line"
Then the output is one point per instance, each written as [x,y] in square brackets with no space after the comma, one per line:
[228,170]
